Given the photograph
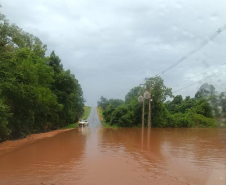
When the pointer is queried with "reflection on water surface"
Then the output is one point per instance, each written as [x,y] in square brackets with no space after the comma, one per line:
[120,156]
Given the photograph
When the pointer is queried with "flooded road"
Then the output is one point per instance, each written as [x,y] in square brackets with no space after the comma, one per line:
[99,156]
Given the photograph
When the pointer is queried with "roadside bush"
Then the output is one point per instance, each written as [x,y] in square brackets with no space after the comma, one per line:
[202,121]
[113,104]
[39,95]
[122,117]
[190,119]
[4,114]
[203,107]
[180,120]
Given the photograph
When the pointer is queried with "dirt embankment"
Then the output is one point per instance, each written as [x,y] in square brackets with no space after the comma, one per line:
[8,146]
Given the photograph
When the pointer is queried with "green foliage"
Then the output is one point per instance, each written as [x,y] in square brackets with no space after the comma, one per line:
[190,119]
[103,103]
[86,113]
[39,95]
[4,115]
[113,103]
[132,93]
[202,121]
[69,94]
[202,107]
[103,122]
[188,112]
[180,120]
[179,105]
[122,116]
[159,94]
[73,125]
[128,113]
[205,90]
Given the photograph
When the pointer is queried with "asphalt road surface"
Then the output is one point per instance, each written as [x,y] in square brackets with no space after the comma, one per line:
[93,119]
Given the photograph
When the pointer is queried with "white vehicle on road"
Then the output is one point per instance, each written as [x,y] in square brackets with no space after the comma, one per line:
[83,123]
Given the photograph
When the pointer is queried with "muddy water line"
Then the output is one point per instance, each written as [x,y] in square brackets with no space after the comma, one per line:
[119,156]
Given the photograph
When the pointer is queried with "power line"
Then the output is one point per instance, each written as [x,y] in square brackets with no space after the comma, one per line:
[198,75]
[200,80]
[203,43]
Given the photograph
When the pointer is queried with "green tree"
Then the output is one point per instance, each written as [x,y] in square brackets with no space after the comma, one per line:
[159,94]
[103,103]
[4,115]
[205,90]
[113,104]
[134,92]
[67,90]
[36,93]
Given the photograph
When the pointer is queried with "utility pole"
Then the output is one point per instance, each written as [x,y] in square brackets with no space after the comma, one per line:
[143,113]
[149,109]
[147,95]
[142,99]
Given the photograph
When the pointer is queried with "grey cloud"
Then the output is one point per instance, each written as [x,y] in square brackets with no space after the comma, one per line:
[111,46]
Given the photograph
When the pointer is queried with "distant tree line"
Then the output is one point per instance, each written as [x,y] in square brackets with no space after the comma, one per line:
[36,93]
[206,109]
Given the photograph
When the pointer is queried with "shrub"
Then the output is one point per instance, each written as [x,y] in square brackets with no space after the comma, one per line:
[4,114]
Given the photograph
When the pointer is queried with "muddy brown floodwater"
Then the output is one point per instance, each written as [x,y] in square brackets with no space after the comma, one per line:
[104,156]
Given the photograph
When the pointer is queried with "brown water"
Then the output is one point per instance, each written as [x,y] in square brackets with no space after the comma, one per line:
[103,156]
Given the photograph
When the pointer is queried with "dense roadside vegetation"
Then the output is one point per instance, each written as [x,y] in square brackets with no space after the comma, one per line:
[87,110]
[102,120]
[36,93]
[86,113]
[206,109]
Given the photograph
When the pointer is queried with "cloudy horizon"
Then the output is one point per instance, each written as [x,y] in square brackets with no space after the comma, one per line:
[111,46]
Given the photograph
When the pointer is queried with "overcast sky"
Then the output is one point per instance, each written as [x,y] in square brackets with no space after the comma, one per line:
[112,45]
